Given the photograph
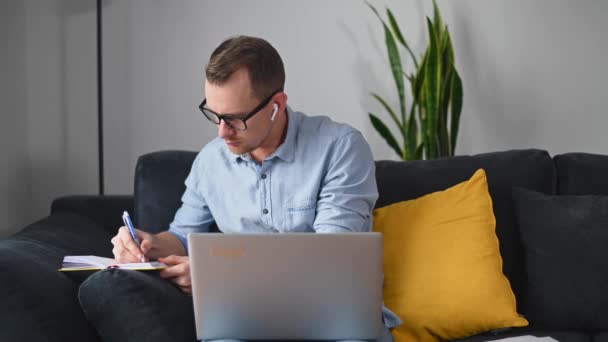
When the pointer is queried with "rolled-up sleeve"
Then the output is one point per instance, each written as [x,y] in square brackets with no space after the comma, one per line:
[194,215]
[348,191]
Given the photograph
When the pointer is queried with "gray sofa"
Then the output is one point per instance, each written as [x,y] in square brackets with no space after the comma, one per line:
[40,303]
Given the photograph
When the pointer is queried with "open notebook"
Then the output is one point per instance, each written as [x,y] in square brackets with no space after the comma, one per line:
[92,263]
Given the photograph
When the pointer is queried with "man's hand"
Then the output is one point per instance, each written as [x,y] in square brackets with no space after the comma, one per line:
[178,272]
[127,251]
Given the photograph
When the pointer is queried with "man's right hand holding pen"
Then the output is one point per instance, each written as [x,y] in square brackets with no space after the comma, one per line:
[133,245]
[164,247]
[126,249]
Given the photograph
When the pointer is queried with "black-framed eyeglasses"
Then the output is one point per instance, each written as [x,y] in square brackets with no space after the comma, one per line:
[237,122]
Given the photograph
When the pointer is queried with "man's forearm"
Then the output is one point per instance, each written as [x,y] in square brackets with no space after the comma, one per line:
[165,244]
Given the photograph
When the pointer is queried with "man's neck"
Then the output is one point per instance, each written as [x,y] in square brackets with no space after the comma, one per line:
[274,140]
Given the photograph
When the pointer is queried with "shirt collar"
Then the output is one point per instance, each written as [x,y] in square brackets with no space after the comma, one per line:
[287,149]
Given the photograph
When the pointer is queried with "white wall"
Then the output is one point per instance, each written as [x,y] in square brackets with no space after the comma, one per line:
[532,72]
[61,98]
[14,185]
[48,105]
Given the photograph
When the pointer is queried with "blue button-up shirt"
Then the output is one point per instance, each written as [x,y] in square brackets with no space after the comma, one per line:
[321,179]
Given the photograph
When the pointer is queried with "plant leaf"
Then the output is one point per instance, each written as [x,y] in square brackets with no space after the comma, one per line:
[419,100]
[437,20]
[386,134]
[419,79]
[395,27]
[397,32]
[409,77]
[412,135]
[432,89]
[375,11]
[450,46]
[419,150]
[390,112]
[396,68]
[423,127]
[456,108]
[444,101]
[447,52]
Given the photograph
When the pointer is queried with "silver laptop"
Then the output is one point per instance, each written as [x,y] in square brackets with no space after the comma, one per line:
[302,286]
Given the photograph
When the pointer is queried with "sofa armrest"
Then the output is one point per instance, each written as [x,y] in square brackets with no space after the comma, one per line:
[105,210]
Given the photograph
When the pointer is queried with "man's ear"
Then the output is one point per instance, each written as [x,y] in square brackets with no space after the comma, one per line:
[281,101]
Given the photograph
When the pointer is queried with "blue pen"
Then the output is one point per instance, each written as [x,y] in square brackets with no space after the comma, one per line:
[127,220]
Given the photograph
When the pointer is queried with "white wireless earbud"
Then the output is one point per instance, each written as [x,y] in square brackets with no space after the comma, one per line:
[274,114]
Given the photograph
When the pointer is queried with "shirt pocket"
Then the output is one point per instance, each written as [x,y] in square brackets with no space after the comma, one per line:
[300,215]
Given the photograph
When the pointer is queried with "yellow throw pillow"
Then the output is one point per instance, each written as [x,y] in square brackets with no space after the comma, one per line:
[442,265]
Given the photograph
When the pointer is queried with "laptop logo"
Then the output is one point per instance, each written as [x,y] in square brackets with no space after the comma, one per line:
[228,252]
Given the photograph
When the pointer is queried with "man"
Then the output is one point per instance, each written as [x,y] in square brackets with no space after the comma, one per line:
[270,170]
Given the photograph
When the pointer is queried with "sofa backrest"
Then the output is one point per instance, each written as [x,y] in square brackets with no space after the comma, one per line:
[532,169]
[581,174]
[159,185]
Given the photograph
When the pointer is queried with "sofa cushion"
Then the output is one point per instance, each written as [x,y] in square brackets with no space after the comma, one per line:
[600,336]
[68,234]
[582,174]
[565,239]
[529,334]
[533,169]
[40,303]
[442,267]
[104,209]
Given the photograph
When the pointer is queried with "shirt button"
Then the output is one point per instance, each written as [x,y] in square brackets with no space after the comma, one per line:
[263,176]
[265,211]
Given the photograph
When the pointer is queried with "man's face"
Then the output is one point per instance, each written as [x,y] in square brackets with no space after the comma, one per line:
[236,97]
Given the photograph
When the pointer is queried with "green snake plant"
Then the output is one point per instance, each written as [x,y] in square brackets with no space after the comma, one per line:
[428,129]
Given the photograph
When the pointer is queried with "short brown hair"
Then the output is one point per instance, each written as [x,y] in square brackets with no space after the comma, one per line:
[262,61]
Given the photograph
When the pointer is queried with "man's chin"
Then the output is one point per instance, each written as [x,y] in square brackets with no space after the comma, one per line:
[238,149]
